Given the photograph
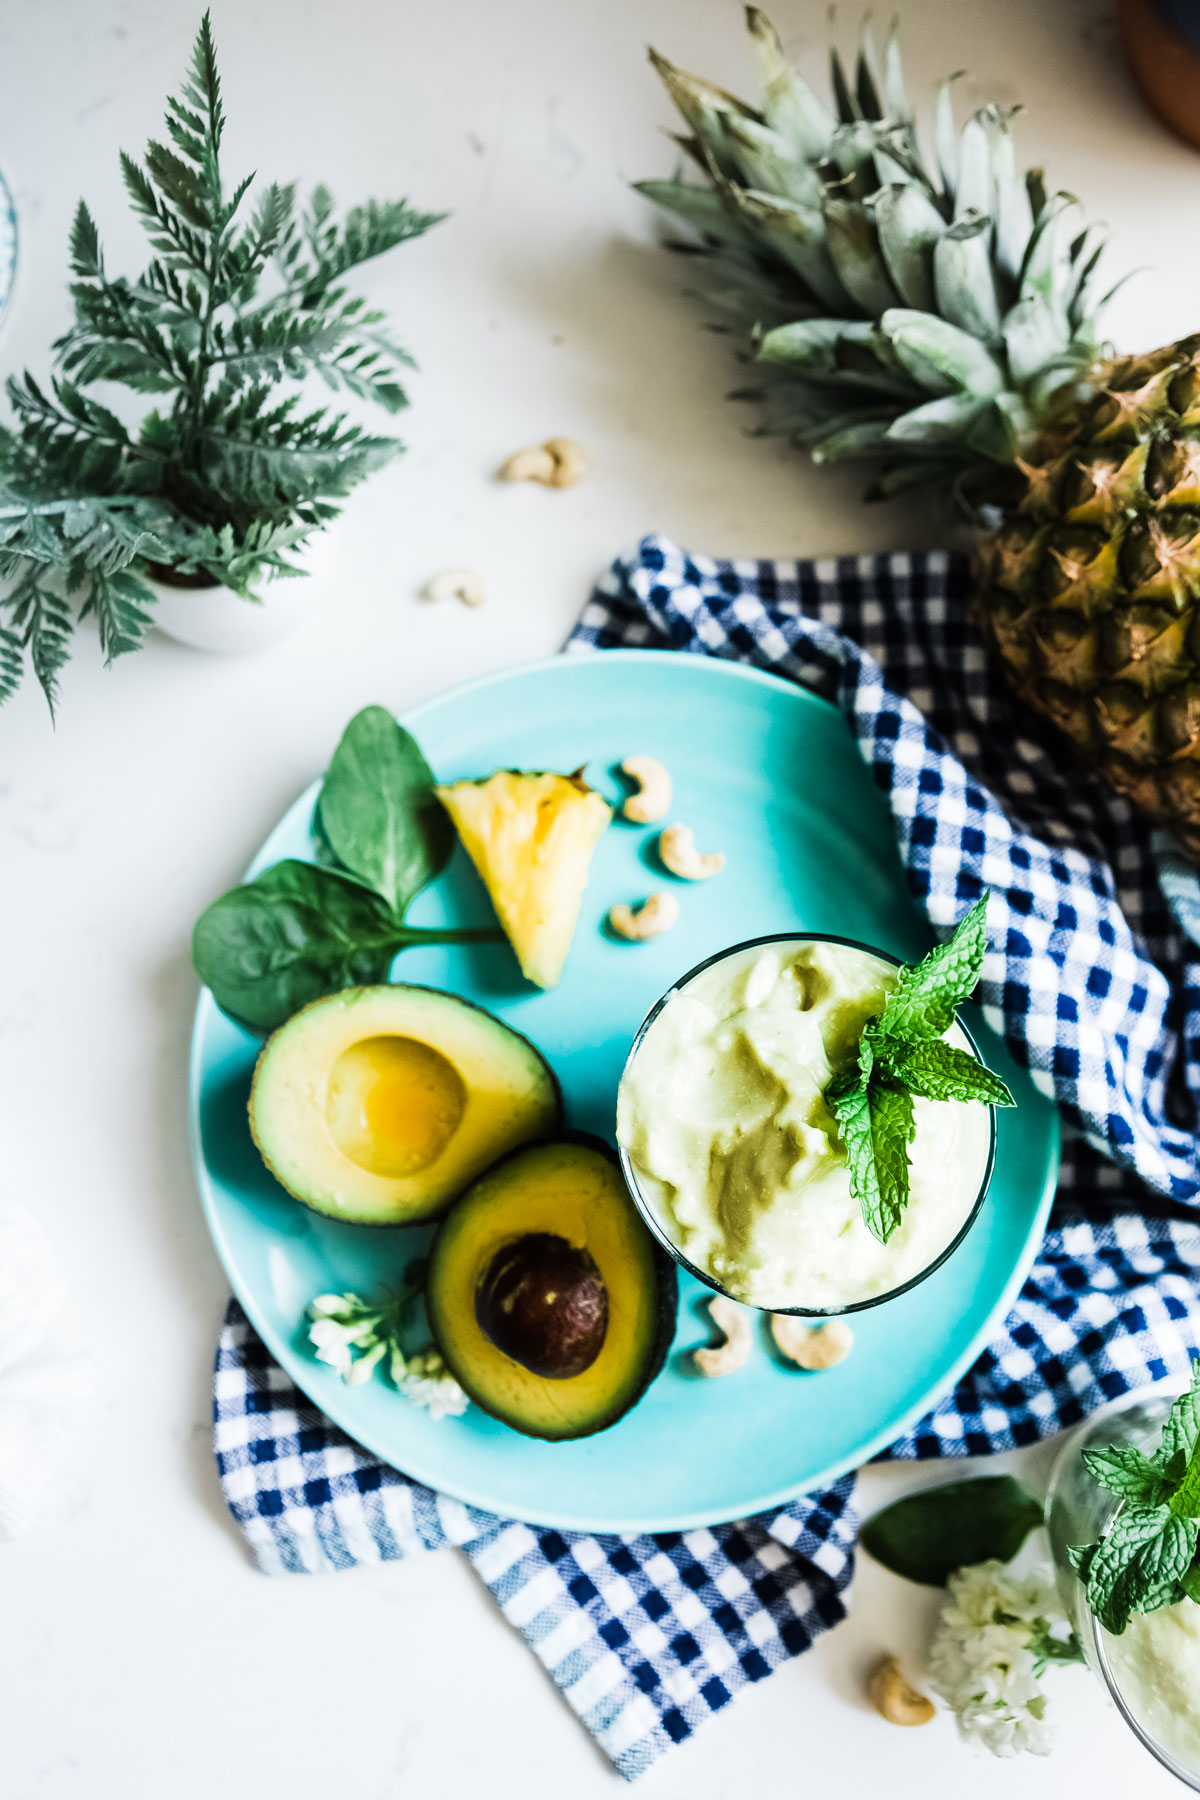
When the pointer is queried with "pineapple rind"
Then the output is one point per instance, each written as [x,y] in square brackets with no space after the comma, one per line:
[531,836]
[1095,612]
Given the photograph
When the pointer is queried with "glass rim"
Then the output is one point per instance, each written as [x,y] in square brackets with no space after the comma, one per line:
[648,1213]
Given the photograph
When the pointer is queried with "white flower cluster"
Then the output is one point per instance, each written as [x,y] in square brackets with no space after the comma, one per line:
[343,1324]
[429,1383]
[354,1337]
[988,1652]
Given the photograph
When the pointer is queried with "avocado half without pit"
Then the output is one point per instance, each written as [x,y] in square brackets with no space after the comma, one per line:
[551,1304]
[378,1105]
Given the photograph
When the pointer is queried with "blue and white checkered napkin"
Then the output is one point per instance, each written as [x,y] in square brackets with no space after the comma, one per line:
[1097,989]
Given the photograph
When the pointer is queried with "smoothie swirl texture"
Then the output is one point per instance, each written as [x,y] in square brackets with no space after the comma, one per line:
[722,1115]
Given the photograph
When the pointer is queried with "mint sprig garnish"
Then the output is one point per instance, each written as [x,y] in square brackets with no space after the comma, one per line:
[901,1054]
[928,994]
[1147,1557]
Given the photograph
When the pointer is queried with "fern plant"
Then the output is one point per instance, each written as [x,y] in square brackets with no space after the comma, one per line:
[231,468]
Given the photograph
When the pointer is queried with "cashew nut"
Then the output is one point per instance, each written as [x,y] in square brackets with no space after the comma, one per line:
[654,790]
[456,584]
[894,1698]
[724,1358]
[559,463]
[570,462]
[677,852]
[534,463]
[649,920]
[811,1346]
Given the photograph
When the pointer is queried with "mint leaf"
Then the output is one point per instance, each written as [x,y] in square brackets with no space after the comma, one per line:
[1185,1501]
[852,1108]
[840,1085]
[1181,1433]
[1112,1584]
[877,1127]
[892,1130]
[901,1054]
[1125,1471]
[938,1071]
[1140,1564]
[927,994]
[1081,1558]
[1147,1558]
[1163,1564]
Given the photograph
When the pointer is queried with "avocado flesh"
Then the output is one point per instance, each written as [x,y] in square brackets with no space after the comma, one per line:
[378,1105]
[569,1189]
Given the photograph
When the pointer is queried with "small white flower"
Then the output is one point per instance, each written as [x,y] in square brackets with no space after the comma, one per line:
[430,1384]
[331,1306]
[983,1592]
[986,1656]
[328,1331]
[343,1323]
[360,1370]
[334,1340]
[332,1348]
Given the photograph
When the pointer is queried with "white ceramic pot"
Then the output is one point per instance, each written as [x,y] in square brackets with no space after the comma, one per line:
[216,619]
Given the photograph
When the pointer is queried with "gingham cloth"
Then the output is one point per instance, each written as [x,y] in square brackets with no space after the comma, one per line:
[1097,990]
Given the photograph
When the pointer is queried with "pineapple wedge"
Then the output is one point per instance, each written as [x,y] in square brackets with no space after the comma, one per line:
[531,836]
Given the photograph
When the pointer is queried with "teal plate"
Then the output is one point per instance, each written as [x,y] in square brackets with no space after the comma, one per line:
[770,775]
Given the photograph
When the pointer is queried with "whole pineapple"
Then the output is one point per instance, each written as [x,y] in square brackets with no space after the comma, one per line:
[940,318]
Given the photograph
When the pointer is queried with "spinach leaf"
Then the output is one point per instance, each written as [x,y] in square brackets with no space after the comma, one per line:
[300,930]
[296,932]
[379,812]
[925,1537]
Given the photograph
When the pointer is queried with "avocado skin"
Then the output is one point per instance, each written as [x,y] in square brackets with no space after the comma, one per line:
[438,1208]
[665,1302]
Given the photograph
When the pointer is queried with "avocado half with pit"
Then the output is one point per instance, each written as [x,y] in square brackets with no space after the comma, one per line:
[378,1105]
[551,1304]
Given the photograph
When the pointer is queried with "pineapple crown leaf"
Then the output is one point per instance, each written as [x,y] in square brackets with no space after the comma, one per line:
[929,311]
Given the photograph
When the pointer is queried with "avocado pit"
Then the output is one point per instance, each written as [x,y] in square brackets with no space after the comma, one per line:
[544,1304]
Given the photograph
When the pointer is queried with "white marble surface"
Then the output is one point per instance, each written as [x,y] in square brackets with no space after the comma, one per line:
[139,1652]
